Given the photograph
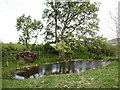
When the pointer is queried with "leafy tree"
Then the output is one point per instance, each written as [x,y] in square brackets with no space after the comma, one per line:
[108,49]
[62,48]
[94,45]
[99,46]
[70,22]
[30,29]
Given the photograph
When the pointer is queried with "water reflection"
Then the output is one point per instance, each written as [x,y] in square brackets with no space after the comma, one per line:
[61,68]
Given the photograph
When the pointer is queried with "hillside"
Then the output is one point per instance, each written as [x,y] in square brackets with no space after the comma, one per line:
[113,41]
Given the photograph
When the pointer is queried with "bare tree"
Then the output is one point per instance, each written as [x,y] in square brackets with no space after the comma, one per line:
[118,30]
[116,22]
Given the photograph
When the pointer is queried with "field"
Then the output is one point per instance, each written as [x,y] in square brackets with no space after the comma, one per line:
[104,77]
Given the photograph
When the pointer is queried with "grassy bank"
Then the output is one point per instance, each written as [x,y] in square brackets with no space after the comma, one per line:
[104,77]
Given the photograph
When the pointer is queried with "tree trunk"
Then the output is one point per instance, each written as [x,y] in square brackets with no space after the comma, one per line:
[33,45]
[27,46]
[61,54]
[55,9]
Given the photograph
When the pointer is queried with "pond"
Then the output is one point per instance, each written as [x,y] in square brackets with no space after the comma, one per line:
[58,68]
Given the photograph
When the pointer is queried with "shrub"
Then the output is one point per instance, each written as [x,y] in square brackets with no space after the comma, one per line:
[49,49]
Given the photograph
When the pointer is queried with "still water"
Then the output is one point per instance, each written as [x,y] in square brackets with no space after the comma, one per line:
[59,68]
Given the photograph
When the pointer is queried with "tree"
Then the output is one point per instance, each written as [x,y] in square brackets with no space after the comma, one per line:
[95,45]
[30,30]
[116,21]
[62,48]
[69,22]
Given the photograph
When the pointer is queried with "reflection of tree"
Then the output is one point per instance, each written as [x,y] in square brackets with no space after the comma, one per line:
[42,69]
[79,64]
[83,66]
[97,64]
[72,67]
[55,68]
[67,67]
[61,65]
[49,69]
[61,68]
[88,65]
[64,69]
[29,71]
[92,65]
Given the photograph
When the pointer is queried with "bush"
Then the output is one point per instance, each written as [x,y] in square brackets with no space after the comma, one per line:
[49,49]
[11,49]
[7,49]
[8,59]
[37,48]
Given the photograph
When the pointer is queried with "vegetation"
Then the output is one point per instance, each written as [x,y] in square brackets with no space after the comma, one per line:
[70,33]
[30,30]
[47,54]
[104,77]
[70,24]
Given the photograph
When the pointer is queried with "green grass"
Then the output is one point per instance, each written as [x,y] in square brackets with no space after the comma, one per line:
[10,63]
[15,45]
[110,58]
[104,77]
[82,55]
[106,58]
[0,75]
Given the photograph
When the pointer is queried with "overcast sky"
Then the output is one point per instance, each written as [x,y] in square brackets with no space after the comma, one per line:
[10,10]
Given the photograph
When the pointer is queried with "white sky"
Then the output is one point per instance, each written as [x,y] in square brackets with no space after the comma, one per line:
[10,10]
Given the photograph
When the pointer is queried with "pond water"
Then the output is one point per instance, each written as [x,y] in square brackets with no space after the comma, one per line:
[58,68]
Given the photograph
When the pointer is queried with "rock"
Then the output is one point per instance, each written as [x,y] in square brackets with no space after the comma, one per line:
[27,56]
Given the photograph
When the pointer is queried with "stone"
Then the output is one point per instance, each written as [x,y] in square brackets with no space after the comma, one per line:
[27,56]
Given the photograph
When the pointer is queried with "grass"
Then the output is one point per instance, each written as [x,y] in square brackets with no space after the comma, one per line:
[104,77]
[82,55]
[0,75]
[110,58]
